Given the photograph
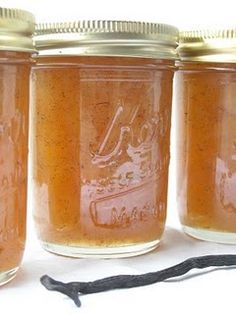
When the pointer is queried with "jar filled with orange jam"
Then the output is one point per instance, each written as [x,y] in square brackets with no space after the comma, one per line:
[16,47]
[101,108]
[205,93]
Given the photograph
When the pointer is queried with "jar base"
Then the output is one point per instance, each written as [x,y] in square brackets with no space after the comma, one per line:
[211,235]
[97,252]
[7,276]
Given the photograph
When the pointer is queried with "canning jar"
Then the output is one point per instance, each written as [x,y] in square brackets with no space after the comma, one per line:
[101,108]
[205,94]
[16,47]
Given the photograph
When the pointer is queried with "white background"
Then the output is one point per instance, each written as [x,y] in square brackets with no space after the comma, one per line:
[182,13]
[212,292]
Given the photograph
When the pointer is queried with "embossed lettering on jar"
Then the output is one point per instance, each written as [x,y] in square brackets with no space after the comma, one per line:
[16,47]
[100,123]
[205,108]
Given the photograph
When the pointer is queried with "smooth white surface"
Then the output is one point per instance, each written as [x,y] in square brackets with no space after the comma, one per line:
[213,292]
[182,13]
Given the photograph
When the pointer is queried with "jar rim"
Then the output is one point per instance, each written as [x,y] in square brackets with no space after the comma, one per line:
[107,38]
[208,45]
[16,30]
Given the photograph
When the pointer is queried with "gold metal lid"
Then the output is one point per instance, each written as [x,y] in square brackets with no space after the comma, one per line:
[16,30]
[208,45]
[107,38]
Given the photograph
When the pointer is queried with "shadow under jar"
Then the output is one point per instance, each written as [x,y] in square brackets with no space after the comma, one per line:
[16,47]
[205,97]
[101,108]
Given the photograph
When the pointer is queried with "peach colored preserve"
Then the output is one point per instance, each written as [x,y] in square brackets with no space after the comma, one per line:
[14,95]
[100,149]
[206,145]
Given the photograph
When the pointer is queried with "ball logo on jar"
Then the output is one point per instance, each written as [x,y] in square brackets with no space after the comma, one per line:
[226,178]
[11,130]
[130,194]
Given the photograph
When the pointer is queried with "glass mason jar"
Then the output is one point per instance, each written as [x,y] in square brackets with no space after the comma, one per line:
[101,108]
[16,46]
[205,96]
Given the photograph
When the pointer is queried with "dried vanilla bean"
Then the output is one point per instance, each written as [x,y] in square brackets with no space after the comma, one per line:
[74,289]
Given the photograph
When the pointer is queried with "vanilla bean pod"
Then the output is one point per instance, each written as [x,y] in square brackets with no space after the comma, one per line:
[74,289]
